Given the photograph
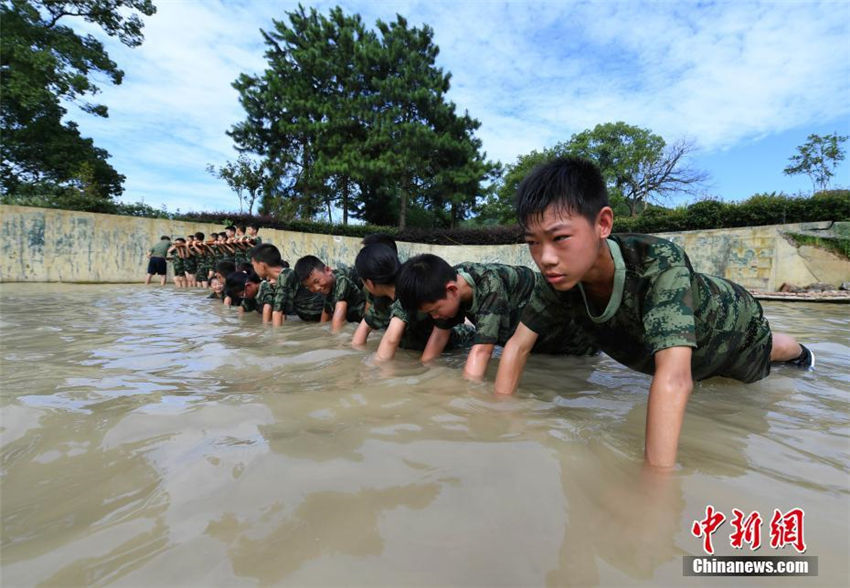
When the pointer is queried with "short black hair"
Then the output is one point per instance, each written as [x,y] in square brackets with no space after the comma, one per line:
[165,238]
[225,267]
[422,279]
[240,228]
[306,265]
[235,282]
[244,267]
[266,253]
[572,184]
[255,226]
[213,235]
[181,239]
[229,228]
[380,238]
[199,236]
[377,262]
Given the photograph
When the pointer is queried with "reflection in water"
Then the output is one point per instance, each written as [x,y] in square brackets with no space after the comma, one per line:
[153,437]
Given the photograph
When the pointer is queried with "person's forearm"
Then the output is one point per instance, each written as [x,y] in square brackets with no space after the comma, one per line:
[338,321]
[277,318]
[361,335]
[391,340]
[267,313]
[665,412]
[435,345]
[511,365]
[477,360]
[665,409]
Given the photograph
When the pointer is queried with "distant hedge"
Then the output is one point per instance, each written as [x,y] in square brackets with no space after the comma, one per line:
[761,209]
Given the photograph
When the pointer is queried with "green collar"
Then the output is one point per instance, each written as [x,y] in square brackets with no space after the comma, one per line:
[617,292]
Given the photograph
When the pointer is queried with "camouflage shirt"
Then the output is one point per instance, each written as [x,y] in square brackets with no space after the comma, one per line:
[347,287]
[499,292]
[177,262]
[658,301]
[379,313]
[290,297]
[418,329]
[257,302]
[190,263]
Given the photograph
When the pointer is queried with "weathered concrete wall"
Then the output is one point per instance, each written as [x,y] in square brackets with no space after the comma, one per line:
[47,245]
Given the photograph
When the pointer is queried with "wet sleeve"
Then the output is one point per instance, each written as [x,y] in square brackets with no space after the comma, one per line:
[492,312]
[282,295]
[397,311]
[668,310]
[338,292]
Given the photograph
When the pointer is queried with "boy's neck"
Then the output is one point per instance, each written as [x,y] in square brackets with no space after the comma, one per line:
[274,272]
[464,289]
[598,282]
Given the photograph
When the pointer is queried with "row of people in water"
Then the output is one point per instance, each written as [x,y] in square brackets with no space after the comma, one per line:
[634,297]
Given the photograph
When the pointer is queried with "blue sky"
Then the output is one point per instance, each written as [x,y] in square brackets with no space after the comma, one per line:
[746,81]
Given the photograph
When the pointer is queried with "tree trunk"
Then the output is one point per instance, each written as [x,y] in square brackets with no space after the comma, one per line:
[402,210]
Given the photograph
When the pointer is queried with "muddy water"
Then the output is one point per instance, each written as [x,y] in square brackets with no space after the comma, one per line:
[152,437]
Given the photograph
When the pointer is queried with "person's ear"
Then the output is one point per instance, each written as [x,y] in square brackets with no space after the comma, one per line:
[604,222]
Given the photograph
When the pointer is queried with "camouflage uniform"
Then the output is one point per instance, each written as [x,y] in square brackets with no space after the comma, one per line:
[418,330]
[205,263]
[190,264]
[658,302]
[347,287]
[178,263]
[500,292]
[290,297]
[257,302]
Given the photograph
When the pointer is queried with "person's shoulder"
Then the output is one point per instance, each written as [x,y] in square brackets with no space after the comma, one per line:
[648,253]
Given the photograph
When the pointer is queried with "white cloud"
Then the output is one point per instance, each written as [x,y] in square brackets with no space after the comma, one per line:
[532,73]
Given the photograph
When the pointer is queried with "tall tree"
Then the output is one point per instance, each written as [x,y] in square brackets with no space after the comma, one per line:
[43,61]
[358,119]
[817,158]
[638,165]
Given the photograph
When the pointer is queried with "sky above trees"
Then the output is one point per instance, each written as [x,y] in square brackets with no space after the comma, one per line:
[747,82]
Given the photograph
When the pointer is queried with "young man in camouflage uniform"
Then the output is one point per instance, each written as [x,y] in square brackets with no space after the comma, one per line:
[284,295]
[490,295]
[639,297]
[175,256]
[377,264]
[245,288]
[342,289]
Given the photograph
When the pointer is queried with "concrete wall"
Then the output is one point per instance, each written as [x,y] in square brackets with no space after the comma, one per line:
[47,245]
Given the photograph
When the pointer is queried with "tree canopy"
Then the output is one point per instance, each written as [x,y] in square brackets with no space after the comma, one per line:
[349,117]
[639,167]
[44,62]
[817,158]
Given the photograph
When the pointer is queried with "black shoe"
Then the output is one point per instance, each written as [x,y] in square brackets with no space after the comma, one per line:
[806,359]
